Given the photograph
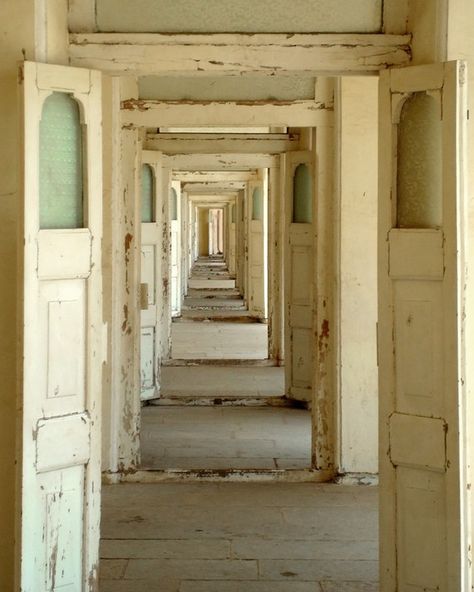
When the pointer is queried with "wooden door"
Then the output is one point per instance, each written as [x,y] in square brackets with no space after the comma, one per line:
[299,288]
[175,225]
[149,297]
[422,280]
[232,217]
[256,248]
[61,329]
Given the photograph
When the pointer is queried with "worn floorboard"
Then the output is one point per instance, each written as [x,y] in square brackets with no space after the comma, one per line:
[239,537]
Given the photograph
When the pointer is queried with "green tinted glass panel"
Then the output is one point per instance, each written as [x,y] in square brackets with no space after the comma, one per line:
[302,196]
[257,204]
[147,194]
[419,178]
[60,164]
[173,204]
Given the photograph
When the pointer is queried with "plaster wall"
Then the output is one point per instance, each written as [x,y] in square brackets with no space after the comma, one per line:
[239,16]
[358,413]
[223,88]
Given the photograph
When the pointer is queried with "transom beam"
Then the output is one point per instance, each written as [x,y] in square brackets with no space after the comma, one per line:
[154,114]
[211,143]
[144,54]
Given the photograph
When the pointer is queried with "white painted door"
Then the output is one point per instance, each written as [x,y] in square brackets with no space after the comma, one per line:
[232,239]
[175,224]
[299,273]
[149,270]
[256,248]
[422,279]
[62,331]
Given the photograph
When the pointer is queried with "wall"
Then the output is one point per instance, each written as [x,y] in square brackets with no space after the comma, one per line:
[358,272]
[460,45]
[241,16]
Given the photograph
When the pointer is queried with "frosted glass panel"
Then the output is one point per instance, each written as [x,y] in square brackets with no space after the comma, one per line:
[148,191]
[173,204]
[419,194]
[302,196]
[257,204]
[60,163]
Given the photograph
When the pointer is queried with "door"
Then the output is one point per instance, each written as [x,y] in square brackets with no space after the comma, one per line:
[422,256]
[232,238]
[62,331]
[299,259]
[149,336]
[175,223]
[256,248]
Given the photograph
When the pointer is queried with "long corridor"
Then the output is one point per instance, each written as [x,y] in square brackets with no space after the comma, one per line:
[215,322]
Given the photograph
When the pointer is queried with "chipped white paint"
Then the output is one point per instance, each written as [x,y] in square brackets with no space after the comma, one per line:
[234,54]
[149,273]
[422,355]
[176,248]
[221,143]
[257,232]
[299,288]
[63,356]
[220,162]
[264,113]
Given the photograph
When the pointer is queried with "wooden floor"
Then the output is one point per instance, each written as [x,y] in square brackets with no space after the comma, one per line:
[225,438]
[207,328]
[239,537]
[225,382]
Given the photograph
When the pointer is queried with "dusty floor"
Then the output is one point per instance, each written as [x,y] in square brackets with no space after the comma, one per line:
[207,328]
[236,537]
[222,381]
[225,438]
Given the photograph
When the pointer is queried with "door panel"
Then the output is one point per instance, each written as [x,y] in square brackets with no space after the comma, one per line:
[149,272]
[256,248]
[299,292]
[421,328]
[175,224]
[62,328]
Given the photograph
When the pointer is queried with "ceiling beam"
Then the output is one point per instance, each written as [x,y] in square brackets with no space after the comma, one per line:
[153,114]
[219,186]
[211,143]
[220,162]
[214,176]
[142,54]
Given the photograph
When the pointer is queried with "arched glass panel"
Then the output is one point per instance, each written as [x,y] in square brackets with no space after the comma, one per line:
[233,214]
[257,204]
[419,176]
[60,164]
[302,195]
[173,204]
[148,194]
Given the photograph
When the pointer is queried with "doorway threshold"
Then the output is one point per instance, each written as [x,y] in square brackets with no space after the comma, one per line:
[220,475]
[220,362]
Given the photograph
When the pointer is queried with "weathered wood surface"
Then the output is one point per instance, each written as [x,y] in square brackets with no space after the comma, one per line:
[222,162]
[152,113]
[232,54]
[211,143]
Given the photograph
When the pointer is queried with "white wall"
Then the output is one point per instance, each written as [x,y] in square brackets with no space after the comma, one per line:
[358,411]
